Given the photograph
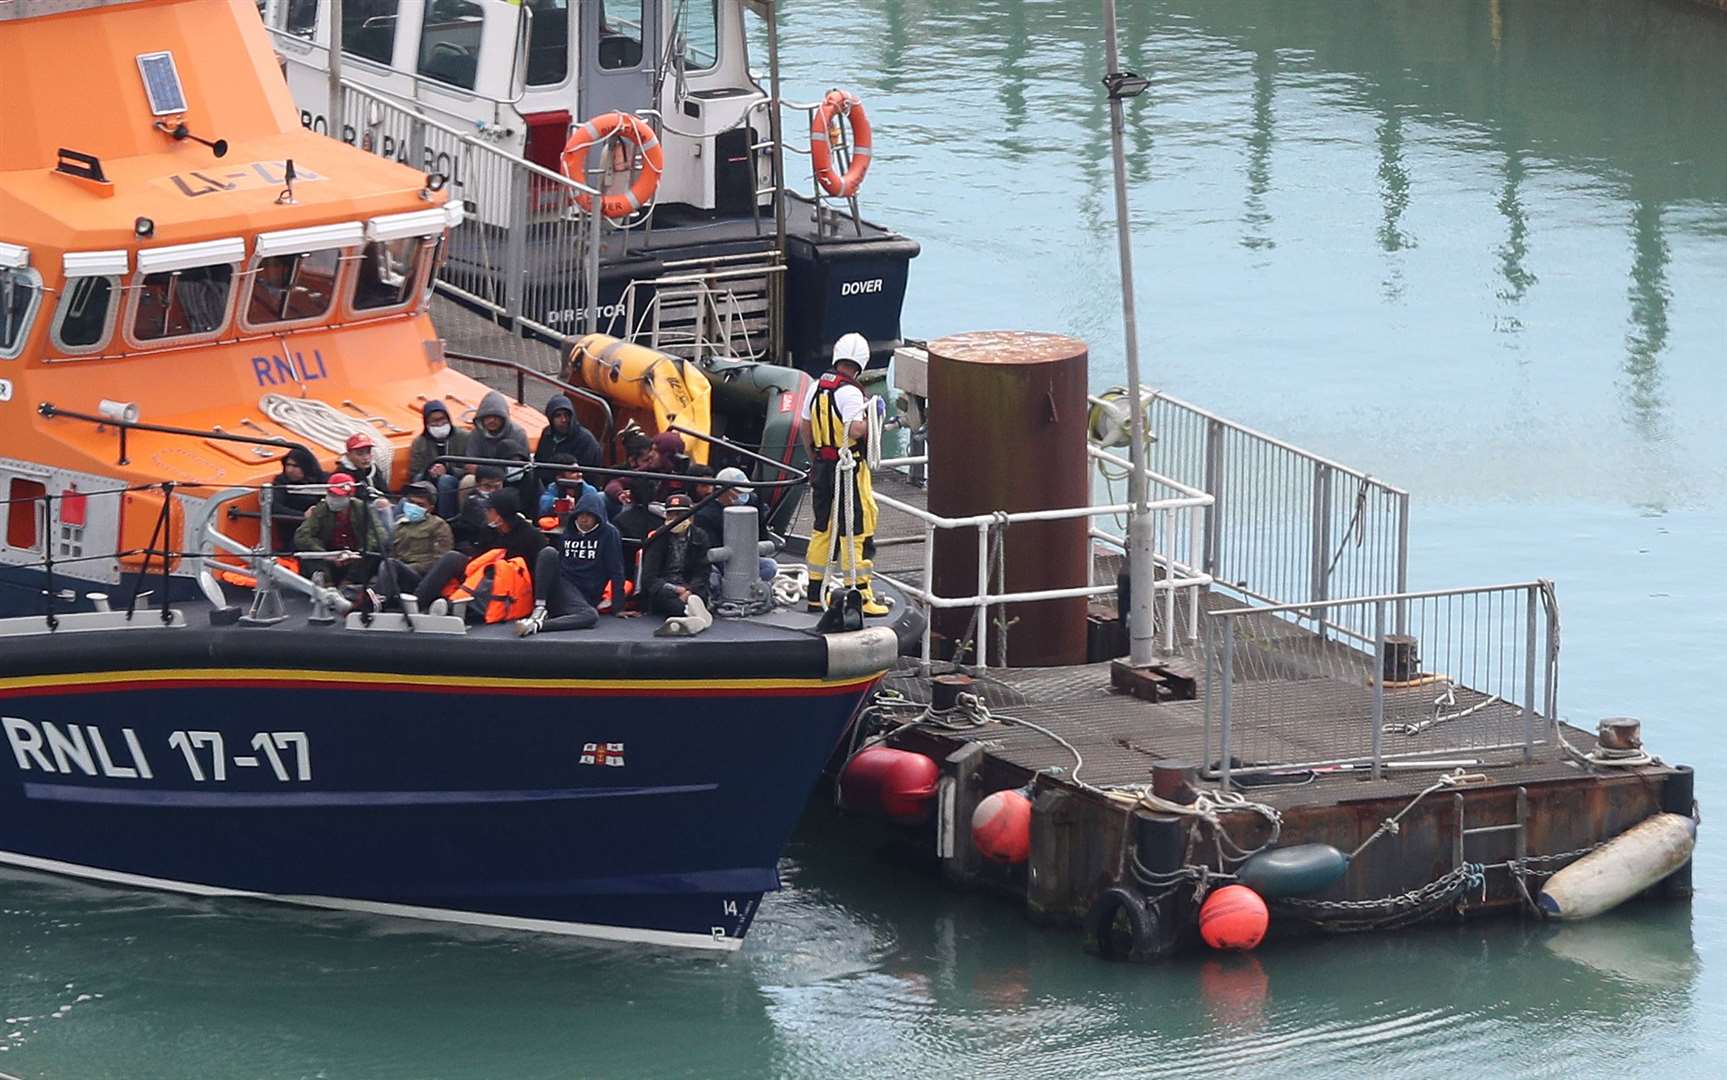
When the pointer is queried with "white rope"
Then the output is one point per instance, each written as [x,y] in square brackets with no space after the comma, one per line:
[876,412]
[840,553]
[322,423]
[1209,806]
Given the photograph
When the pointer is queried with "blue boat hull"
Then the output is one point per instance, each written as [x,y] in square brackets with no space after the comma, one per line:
[639,808]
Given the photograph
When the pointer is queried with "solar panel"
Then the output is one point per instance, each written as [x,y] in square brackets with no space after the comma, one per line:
[162,83]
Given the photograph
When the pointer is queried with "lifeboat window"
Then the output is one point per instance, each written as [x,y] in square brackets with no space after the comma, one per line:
[23,499]
[699,23]
[369,29]
[292,288]
[182,303]
[85,315]
[387,272]
[299,17]
[20,294]
[620,34]
[450,42]
[549,43]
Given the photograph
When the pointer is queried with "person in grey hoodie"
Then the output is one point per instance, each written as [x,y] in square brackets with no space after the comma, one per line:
[495,435]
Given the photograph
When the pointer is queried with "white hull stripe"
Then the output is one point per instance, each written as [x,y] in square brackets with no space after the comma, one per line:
[377,907]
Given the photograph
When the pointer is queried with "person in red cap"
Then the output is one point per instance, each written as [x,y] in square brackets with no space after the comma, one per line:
[359,462]
[346,527]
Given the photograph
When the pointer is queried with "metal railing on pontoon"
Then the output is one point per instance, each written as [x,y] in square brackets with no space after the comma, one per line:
[1175,519]
[1474,670]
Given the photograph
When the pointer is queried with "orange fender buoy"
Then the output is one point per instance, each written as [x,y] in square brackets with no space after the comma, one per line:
[1233,917]
[1001,827]
[896,783]
[825,135]
[573,162]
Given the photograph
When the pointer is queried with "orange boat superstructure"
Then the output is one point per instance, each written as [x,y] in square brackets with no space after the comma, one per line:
[140,268]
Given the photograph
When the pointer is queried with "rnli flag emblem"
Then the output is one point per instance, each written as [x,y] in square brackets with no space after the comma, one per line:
[611,753]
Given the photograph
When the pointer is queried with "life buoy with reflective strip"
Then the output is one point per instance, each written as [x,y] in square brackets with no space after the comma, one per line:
[574,161]
[825,135]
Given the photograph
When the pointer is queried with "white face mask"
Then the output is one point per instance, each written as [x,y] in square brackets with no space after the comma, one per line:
[438,431]
[337,503]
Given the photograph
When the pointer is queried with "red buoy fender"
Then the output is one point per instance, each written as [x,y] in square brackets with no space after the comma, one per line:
[825,134]
[1001,827]
[1233,917]
[896,783]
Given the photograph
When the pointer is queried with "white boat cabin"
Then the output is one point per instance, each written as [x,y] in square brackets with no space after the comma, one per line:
[521,72]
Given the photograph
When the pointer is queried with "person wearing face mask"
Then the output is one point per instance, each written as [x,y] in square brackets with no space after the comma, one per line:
[346,527]
[439,437]
[420,540]
[675,566]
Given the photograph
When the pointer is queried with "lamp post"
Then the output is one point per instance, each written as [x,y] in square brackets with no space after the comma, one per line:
[1141,630]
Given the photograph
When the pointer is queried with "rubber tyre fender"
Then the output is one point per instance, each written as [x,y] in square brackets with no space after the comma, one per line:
[1142,921]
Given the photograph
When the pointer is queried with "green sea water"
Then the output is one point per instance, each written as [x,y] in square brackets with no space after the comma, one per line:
[1477,247]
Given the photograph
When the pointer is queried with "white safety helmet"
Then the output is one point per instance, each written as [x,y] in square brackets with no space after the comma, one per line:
[853,348]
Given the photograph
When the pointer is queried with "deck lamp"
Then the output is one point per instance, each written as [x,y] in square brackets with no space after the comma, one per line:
[1125,84]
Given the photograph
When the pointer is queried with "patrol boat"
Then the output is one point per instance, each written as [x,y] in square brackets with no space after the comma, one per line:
[651,101]
[191,283]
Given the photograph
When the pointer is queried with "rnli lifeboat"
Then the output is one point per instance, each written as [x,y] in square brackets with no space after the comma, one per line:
[192,285]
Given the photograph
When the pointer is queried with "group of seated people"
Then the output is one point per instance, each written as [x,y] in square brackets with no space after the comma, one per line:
[640,544]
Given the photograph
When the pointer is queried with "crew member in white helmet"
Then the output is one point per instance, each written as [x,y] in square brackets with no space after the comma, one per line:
[836,414]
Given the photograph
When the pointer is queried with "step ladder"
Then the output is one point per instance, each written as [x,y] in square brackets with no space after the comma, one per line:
[1518,827]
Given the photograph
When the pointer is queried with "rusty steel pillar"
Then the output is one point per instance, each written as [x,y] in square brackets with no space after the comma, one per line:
[1007,431]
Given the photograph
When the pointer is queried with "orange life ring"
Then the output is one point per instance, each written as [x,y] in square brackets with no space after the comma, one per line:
[824,133]
[573,161]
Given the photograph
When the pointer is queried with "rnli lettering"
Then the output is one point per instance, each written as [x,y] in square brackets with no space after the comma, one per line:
[250,177]
[59,748]
[855,288]
[278,370]
[83,749]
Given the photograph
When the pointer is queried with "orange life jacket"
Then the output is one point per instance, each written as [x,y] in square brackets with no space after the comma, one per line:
[499,586]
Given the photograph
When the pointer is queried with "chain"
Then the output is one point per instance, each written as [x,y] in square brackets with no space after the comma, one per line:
[1403,909]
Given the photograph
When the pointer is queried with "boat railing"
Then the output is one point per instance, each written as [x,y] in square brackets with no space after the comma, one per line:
[828,216]
[1472,671]
[122,427]
[524,373]
[527,252]
[698,313]
[1286,525]
[1175,517]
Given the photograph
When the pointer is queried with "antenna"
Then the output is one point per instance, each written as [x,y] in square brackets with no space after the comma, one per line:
[180,133]
[286,198]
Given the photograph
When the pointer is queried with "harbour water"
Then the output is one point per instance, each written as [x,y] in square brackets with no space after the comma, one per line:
[1478,247]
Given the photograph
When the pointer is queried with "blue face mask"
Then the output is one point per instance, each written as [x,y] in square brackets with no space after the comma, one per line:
[412,511]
